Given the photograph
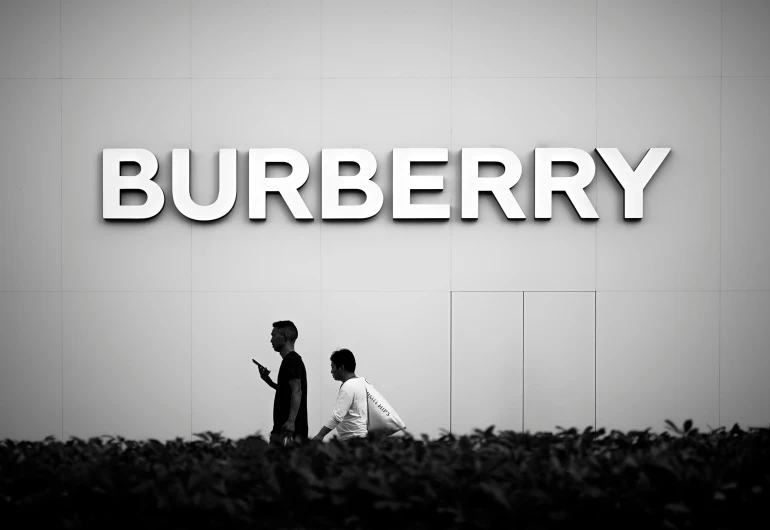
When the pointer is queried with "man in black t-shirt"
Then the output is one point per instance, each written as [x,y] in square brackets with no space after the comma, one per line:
[290,403]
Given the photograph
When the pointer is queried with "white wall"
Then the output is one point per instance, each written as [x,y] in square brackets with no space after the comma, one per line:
[146,329]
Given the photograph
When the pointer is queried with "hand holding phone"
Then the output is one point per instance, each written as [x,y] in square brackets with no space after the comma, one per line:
[264,372]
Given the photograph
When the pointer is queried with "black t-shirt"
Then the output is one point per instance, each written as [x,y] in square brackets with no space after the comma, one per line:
[292,367]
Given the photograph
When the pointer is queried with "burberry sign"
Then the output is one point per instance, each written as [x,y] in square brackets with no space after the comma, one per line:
[633,182]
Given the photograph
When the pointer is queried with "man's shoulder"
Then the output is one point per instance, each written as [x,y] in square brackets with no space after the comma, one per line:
[295,358]
[354,385]
[294,361]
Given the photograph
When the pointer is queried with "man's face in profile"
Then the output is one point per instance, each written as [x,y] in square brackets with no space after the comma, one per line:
[277,339]
[336,372]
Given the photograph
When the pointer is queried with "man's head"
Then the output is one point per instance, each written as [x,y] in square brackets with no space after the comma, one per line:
[343,362]
[284,334]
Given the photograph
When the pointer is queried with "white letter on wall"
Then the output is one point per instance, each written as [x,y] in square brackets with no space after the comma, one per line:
[180,186]
[288,187]
[546,184]
[332,182]
[404,182]
[499,186]
[633,182]
[113,183]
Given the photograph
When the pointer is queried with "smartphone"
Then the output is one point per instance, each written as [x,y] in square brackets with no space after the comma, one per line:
[260,366]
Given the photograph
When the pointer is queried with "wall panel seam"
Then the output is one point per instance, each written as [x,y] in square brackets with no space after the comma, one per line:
[320,231]
[451,293]
[596,225]
[61,212]
[9,78]
[719,331]
[382,291]
[191,233]
[451,334]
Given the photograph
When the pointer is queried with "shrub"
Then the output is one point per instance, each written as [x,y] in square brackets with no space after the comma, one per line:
[637,479]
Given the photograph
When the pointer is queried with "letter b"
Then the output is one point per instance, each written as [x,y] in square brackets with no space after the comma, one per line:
[113,183]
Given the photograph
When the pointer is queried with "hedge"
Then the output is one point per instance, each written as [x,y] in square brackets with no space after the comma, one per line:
[567,479]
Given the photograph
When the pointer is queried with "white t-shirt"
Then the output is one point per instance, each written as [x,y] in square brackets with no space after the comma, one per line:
[350,414]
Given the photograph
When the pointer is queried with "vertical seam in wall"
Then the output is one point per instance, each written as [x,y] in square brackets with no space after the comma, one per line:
[719,332]
[61,214]
[191,240]
[321,228]
[596,136]
[451,294]
[451,122]
[523,354]
[596,226]
[318,356]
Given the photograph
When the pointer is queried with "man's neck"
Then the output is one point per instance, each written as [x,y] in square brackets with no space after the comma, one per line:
[347,376]
[286,350]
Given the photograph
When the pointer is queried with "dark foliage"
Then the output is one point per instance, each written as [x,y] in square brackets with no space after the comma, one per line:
[570,479]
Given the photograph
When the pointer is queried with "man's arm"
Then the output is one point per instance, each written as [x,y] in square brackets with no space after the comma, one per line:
[270,383]
[264,373]
[341,408]
[296,399]
[322,433]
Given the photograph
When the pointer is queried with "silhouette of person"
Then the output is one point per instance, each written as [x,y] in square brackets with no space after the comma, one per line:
[290,403]
[350,413]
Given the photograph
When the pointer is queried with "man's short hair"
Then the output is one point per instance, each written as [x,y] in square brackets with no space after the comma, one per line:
[288,327]
[344,357]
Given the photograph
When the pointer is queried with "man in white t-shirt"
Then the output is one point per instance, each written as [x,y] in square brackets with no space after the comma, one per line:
[350,412]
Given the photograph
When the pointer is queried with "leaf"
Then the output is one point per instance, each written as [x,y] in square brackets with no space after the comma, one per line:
[220,487]
[194,481]
[375,489]
[307,474]
[203,436]
[496,493]
[672,426]
[388,505]
[331,450]
[229,506]
[540,495]
[559,515]
[668,524]
[631,462]
[594,492]
[677,507]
